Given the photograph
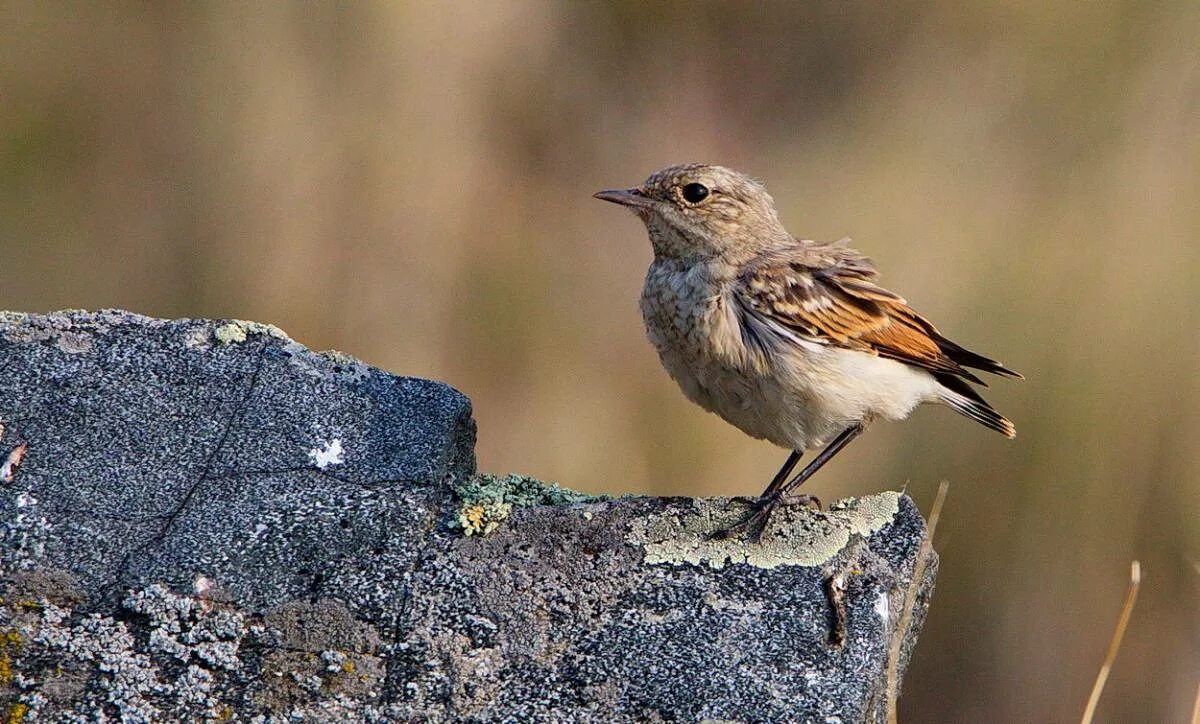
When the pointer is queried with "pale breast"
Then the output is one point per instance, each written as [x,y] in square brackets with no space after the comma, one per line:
[692,324]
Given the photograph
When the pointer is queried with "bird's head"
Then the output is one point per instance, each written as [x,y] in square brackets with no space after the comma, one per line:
[695,211]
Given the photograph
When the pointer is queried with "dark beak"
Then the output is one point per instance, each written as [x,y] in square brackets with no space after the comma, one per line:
[633,198]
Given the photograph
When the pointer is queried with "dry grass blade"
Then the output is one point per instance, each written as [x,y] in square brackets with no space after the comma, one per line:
[1196,704]
[1135,581]
[910,597]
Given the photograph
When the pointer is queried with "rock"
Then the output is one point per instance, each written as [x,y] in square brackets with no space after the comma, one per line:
[205,520]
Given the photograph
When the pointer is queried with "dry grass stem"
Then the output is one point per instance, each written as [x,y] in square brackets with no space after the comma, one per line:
[1196,703]
[910,596]
[1135,581]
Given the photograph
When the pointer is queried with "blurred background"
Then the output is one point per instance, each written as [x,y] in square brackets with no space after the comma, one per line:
[411,183]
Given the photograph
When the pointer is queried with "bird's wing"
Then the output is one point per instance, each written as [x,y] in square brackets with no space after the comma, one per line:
[828,295]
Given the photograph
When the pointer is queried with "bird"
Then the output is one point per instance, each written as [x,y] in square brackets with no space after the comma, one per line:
[790,340]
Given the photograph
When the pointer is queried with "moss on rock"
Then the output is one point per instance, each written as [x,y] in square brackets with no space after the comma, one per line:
[486,501]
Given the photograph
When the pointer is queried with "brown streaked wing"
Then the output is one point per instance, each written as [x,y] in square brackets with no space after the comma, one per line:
[837,304]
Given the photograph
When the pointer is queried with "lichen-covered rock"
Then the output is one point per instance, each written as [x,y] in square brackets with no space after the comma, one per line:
[205,521]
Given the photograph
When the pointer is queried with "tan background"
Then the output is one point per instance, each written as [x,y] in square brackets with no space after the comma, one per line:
[411,183]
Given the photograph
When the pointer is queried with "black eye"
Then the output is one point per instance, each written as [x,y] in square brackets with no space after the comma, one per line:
[695,193]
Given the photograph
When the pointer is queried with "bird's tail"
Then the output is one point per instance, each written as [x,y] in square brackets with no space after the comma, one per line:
[967,358]
[959,396]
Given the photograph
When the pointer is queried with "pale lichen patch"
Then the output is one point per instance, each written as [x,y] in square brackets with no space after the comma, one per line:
[870,513]
[230,333]
[796,535]
[236,331]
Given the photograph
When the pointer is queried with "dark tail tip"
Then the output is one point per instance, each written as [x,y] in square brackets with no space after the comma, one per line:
[968,402]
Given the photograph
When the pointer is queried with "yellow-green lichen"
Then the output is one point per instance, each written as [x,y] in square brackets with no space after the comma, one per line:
[10,645]
[796,535]
[482,518]
[22,604]
[16,713]
[487,500]
[236,331]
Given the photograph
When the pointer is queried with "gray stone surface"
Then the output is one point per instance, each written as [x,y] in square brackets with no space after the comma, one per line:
[203,520]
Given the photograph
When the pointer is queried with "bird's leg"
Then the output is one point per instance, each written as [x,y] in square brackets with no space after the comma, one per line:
[753,525]
[772,488]
[782,476]
[842,440]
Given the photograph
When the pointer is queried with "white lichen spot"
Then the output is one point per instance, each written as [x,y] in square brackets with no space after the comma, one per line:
[881,608]
[202,585]
[25,500]
[330,453]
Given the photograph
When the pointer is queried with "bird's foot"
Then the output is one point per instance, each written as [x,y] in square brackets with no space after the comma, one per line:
[751,527]
[808,501]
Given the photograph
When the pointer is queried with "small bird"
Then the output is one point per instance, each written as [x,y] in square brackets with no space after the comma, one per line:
[787,339]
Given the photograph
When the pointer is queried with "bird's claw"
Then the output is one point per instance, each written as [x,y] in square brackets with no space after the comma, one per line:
[752,526]
[808,501]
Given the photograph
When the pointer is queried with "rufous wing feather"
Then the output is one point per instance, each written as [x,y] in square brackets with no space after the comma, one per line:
[828,295]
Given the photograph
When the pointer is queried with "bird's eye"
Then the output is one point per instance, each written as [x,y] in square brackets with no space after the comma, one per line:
[694,193]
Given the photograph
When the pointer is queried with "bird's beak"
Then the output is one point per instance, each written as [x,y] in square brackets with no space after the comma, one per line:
[634,198]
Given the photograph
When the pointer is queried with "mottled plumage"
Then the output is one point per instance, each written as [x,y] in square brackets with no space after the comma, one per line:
[790,340]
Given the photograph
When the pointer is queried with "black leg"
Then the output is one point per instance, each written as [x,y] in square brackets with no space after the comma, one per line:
[769,493]
[842,440]
[782,476]
[775,492]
